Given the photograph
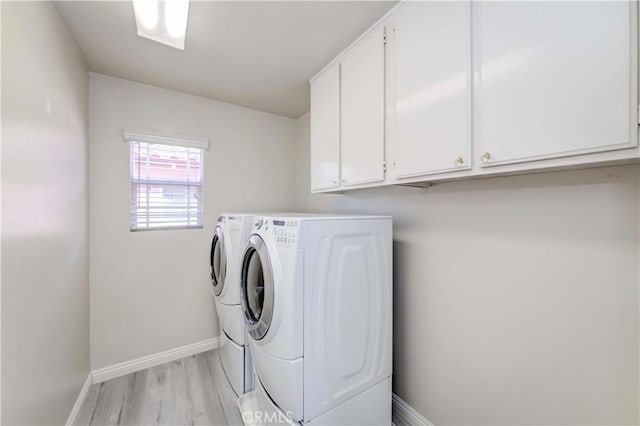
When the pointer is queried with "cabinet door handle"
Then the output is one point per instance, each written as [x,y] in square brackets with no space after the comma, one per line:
[486,157]
[459,161]
[335,182]
[344,181]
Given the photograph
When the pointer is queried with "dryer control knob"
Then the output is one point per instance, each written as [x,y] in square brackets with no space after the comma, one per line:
[259,223]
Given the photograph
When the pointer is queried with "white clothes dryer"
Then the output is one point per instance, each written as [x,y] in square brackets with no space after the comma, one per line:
[227,245]
[317,300]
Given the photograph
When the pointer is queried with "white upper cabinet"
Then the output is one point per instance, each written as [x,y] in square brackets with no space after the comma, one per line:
[325,129]
[431,87]
[465,89]
[362,111]
[555,79]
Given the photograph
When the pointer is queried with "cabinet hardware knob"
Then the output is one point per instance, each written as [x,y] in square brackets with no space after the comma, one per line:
[459,161]
[343,181]
[486,157]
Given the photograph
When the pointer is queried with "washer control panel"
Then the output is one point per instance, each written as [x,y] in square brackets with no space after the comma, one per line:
[233,223]
[286,232]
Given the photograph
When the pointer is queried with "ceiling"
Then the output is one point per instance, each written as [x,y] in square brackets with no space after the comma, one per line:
[255,54]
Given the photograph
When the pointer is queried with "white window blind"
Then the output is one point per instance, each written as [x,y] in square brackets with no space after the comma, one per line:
[166,186]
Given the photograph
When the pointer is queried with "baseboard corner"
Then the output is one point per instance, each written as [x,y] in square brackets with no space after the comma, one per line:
[81,397]
[405,415]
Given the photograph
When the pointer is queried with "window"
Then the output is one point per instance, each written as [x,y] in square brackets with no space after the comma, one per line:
[166,184]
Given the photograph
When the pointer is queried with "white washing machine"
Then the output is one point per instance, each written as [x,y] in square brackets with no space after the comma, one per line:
[317,299]
[227,245]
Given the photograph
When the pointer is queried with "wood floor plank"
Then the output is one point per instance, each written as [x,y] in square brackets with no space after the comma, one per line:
[189,391]
[215,408]
[196,390]
[222,397]
[131,414]
[111,399]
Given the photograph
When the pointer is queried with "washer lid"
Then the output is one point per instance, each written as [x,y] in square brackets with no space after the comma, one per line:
[218,260]
[257,287]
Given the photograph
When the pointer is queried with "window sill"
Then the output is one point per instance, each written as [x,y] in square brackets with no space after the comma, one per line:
[167,228]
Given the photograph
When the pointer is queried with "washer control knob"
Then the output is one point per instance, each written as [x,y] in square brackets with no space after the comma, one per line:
[259,223]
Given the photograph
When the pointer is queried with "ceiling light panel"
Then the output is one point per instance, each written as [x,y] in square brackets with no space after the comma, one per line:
[162,21]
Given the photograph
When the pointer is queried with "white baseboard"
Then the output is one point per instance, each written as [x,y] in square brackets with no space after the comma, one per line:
[406,415]
[83,394]
[138,364]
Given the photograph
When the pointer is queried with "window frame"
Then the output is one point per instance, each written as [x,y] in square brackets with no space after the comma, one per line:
[202,145]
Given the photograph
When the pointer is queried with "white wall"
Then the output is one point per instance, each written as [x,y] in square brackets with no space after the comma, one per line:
[45,282]
[150,291]
[516,298]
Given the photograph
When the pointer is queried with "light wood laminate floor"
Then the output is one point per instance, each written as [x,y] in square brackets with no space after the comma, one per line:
[189,391]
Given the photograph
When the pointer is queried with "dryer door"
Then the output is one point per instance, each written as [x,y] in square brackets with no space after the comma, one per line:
[257,287]
[218,258]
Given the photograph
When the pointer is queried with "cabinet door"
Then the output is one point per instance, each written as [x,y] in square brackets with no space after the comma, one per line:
[325,129]
[362,101]
[432,85]
[555,79]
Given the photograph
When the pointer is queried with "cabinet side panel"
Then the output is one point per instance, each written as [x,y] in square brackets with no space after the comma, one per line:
[348,311]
